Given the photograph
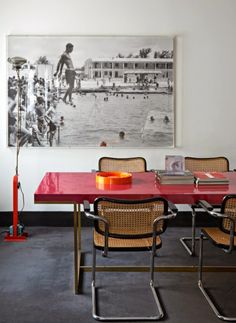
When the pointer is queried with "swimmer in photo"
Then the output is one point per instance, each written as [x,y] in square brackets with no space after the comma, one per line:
[166,119]
[122,135]
[103,144]
[62,123]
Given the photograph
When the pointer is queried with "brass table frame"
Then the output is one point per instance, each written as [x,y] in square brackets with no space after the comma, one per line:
[81,268]
[77,246]
[77,240]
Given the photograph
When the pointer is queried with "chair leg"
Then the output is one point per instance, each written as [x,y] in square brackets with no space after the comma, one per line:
[93,285]
[129,318]
[158,304]
[203,290]
[183,240]
[200,259]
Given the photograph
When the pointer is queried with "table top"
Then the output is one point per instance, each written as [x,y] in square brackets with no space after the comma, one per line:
[68,187]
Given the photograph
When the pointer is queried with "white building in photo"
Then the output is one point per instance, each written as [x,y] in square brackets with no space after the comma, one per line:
[130,69]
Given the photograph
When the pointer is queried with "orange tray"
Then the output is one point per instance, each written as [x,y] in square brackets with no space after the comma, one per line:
[113,178]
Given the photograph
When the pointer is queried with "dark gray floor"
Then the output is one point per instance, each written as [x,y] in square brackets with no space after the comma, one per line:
[36,281]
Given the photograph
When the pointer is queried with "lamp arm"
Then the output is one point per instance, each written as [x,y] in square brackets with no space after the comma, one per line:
[17,63]
[18,121]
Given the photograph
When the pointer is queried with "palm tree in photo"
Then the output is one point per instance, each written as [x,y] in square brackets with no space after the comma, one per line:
[42,60]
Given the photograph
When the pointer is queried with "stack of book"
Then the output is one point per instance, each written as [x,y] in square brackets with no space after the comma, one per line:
[164,177]
[210,178]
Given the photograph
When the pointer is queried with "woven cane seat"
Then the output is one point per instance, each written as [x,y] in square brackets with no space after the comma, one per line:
[218,237]
[134,164]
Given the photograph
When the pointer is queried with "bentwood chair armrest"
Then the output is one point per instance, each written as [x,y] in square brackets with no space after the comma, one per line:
[94,217]
[174,211]
[173,208]
[210,210]
[205,205]
[87,211]
[162,218]
[223,216]
[86,206]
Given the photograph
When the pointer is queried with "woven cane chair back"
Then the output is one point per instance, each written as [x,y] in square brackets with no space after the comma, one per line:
[130,219]
[228,208]
[135,164]
[213,164]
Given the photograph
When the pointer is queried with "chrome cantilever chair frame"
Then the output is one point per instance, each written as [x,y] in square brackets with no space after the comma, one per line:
[191,250]
[132,164]
[227,248]
[222,167]
[167,215]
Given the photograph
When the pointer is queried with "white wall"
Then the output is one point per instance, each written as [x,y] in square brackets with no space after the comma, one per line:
[206,84]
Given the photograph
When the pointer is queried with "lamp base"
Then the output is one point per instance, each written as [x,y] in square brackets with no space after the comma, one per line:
[15,233]
[16,238]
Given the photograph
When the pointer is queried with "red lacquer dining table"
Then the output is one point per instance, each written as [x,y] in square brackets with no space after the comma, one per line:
[75,187]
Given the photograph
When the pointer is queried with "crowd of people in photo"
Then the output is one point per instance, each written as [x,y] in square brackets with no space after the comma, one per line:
[38,116]
[38,120]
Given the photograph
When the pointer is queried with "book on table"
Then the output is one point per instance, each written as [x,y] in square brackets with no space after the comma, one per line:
[210,178]
[165,177]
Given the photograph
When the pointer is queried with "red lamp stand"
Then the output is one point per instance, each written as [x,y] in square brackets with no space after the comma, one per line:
[15,236]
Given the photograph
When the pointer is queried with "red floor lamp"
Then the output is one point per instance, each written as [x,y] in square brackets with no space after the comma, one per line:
[16,230]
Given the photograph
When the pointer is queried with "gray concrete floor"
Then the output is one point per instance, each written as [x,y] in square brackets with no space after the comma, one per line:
[36,281]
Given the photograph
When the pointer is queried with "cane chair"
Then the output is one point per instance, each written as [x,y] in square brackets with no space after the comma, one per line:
[134,164]
[128,225]
[223,237]
[193,164]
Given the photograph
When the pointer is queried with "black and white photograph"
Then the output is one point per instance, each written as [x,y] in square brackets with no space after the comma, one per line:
[91,91]
[174,164]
